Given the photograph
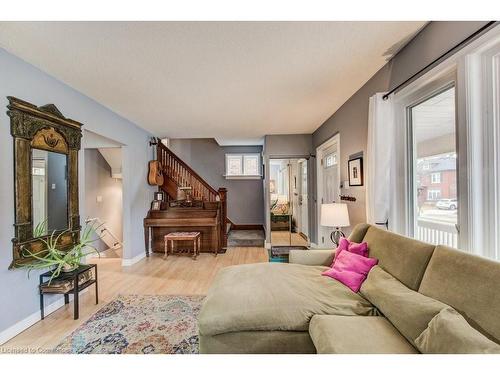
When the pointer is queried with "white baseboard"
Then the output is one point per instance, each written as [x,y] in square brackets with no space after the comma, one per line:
[27,322]
[313,245]
[130,261]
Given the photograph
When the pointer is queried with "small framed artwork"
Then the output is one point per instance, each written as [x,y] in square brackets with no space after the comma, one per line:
[356,172]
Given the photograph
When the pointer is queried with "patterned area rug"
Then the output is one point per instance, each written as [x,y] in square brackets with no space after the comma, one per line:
[139,325]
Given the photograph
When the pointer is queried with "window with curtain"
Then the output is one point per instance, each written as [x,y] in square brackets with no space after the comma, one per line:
[447,172]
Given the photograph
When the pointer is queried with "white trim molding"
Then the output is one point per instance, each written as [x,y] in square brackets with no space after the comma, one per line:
[127,262]
[34,318]
[481,70]
[242,177]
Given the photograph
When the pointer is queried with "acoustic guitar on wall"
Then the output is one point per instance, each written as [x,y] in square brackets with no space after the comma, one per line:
[155,170]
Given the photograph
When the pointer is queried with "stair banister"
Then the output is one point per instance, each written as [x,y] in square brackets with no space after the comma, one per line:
[178,174]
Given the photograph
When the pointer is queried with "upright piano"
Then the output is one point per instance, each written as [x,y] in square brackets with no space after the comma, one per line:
[204,219]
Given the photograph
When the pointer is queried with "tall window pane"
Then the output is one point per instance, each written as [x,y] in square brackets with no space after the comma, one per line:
[234,165]
[434,159]
[251,165]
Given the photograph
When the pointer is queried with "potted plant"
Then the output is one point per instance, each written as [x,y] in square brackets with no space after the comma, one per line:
[61,261]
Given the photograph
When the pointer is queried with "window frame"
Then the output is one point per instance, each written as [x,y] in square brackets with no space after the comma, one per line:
[405,199]
[479,198]
[243,175]
[434,197]
[435,180]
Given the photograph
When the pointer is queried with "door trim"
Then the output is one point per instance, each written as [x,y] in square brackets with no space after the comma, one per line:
[319,178]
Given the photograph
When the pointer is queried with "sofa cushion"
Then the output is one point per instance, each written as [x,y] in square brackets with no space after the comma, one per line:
[449,333]
[357,335]
[404,258]
[469,284]
[311,257]
[359,232]
[274,296]
[258,342]
[407,310]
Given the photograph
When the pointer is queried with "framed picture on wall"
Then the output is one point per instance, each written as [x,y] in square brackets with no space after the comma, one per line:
[355,167]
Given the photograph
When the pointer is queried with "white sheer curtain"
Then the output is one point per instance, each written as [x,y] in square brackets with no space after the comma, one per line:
[379,159]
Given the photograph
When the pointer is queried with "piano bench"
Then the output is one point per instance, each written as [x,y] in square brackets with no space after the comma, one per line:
[183,236]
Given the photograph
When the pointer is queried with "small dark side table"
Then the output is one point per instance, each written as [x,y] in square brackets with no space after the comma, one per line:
[73,275]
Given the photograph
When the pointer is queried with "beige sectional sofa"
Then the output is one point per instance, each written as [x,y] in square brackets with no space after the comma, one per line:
[406,299]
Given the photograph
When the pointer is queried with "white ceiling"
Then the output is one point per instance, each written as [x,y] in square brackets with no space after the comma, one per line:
[227,80]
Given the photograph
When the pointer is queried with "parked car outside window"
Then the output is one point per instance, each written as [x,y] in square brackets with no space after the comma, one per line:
[447,204]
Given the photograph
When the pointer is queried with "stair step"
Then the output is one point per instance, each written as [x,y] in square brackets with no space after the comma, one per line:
[246,238]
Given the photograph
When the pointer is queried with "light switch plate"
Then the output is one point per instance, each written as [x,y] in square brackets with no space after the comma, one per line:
[99,199]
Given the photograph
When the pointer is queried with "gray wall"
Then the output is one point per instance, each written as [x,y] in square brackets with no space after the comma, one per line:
[98,182]
[207,158]
[351,120]
[20,79]
[287,145]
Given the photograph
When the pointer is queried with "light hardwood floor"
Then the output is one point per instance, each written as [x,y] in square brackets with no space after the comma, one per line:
[282,238]
[176,275]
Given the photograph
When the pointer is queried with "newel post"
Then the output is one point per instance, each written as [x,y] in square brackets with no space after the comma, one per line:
[223,215]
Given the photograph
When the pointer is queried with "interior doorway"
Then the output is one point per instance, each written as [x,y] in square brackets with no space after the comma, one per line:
[288,202]
[328,183]
[103,199]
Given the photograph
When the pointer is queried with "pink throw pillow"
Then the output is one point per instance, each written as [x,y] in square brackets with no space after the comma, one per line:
[351,269]
[352,247]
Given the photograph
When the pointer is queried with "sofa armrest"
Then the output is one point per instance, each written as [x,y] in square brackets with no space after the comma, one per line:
[311,257]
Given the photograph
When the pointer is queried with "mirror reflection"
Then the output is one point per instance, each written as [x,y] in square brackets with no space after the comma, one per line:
[50,192]
[288,203]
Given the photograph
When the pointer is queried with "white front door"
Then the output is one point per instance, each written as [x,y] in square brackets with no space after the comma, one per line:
[328,184]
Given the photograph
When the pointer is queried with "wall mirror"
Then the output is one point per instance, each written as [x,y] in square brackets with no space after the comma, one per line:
[46,146]
[49,190]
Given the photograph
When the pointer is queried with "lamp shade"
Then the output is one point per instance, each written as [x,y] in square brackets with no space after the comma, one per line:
[334,215]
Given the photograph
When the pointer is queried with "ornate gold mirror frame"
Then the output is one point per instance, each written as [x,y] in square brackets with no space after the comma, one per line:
[47,129]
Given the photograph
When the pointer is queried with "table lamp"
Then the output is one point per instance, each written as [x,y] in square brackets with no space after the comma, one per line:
[335,215]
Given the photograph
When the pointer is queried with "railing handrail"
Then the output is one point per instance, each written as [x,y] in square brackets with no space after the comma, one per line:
[104,228]
[172,164]
[161,146]
[442,226]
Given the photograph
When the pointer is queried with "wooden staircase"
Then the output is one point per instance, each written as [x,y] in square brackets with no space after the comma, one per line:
[178,174]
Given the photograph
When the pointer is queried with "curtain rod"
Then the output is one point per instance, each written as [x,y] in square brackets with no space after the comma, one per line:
[465,41]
